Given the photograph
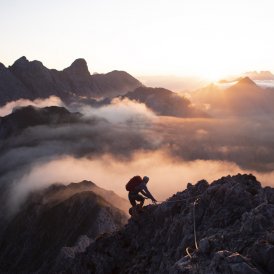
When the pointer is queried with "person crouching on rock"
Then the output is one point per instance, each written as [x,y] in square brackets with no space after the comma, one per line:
[135,186]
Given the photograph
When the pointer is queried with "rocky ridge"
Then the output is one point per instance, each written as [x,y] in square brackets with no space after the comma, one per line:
[31,80]
[235,234]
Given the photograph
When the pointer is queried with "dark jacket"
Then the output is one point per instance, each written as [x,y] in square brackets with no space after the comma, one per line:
[142,188]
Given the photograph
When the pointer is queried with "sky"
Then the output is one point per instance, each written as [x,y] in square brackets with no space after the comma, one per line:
[207,38]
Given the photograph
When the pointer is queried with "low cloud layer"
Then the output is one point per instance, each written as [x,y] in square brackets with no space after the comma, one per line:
[108,145]
[166,175]
[51,101]
[119,111]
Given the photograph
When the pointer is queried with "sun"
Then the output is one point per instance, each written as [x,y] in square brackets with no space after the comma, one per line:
[211,71]
[213,75]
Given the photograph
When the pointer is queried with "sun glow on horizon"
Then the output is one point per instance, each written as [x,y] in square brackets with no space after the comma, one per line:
[210,38]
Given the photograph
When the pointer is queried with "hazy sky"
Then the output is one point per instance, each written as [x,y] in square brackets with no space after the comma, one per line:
[183,37]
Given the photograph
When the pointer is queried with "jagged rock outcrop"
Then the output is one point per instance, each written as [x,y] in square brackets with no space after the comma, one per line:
[235,234]
[78,79]
[39,81]
[31,80]
[55,224]
[10,87]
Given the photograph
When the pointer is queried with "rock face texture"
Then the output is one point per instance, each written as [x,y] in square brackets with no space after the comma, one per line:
[31,80]
[57,223]
[10,87]
[234,224]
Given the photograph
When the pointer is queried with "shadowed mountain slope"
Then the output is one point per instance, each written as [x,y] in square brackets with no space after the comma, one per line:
[29,116]
[165,102]
[57,222]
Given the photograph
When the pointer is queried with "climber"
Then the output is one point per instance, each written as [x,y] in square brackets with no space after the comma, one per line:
[136,185]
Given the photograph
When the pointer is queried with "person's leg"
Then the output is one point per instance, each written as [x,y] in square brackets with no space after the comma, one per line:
[140,199]
[132,198]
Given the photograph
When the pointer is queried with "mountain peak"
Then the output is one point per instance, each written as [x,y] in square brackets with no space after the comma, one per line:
[79,62]
[79,66]
[21,61]
[246,81]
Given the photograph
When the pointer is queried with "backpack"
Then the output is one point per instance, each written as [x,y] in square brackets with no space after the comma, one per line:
[133,182]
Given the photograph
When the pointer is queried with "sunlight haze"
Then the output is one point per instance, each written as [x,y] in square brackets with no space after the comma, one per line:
[210,39]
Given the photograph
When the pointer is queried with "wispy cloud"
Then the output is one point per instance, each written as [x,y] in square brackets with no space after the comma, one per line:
[51,101]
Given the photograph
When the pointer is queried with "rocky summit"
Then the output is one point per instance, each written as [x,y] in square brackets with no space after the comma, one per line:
[233,219]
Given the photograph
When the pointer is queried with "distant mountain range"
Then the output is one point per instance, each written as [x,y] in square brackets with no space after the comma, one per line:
[253,75]
[31,80]
[56,223]
[242,98]
[262,75]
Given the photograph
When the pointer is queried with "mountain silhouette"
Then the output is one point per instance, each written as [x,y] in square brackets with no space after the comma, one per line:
[246,81]
[245,86]
[262,75]
[32,80]
[30,116]
[57,222]
[244,98]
